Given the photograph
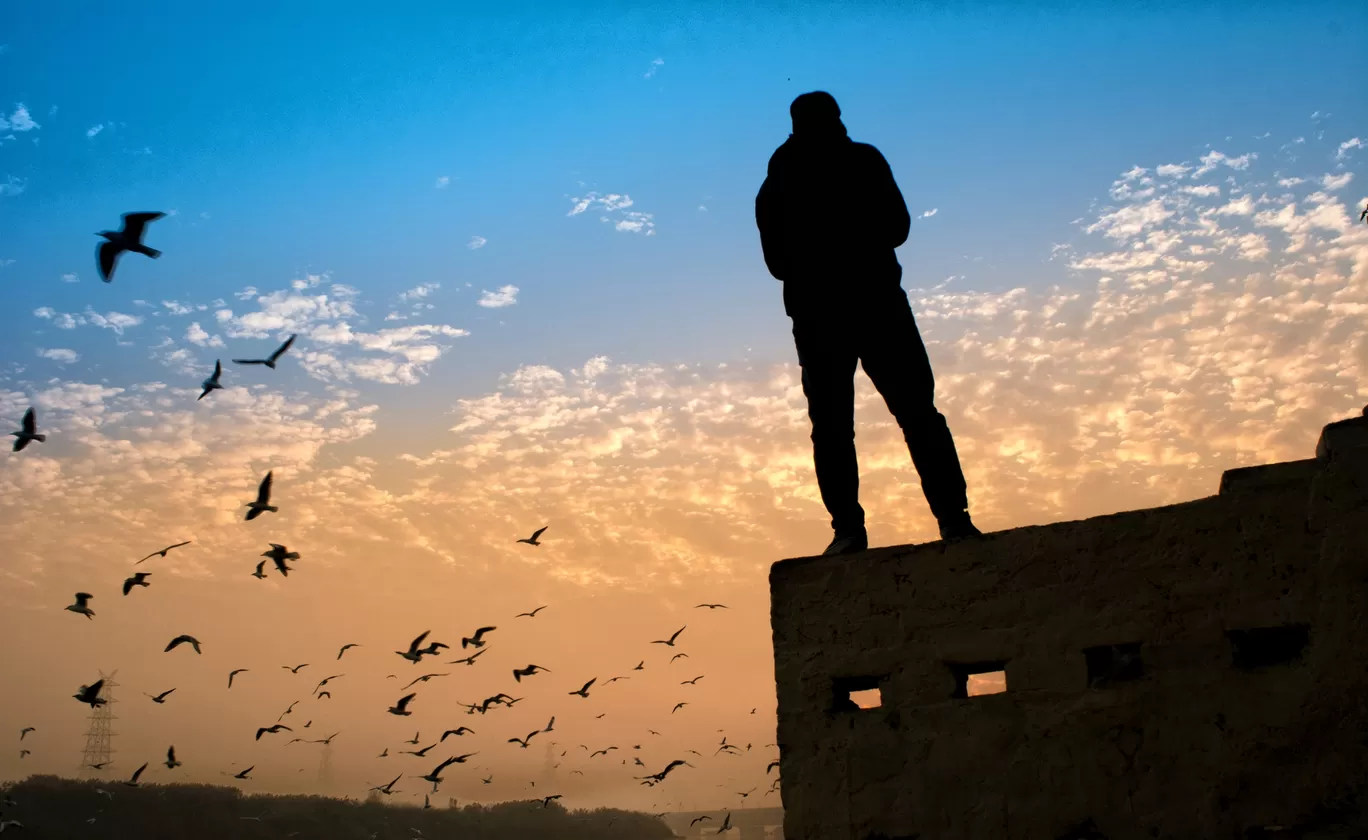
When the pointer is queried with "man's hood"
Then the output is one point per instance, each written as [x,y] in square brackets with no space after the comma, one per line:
[798,146]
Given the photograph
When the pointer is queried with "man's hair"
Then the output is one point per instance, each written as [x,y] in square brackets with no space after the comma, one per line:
[817,106]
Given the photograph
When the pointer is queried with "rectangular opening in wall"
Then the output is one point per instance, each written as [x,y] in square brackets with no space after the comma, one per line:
[973,679]
[850,694]
[1261,647]
[1110,665]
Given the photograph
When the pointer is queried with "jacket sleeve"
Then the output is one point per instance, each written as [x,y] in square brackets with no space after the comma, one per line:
[892,209]
[769,220]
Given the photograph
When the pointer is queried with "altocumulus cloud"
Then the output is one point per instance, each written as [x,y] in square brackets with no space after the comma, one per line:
[505,296]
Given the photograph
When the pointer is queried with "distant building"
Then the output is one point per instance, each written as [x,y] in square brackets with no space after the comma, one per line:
[1195,670]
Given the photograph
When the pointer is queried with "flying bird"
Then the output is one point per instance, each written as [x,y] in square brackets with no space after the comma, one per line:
[401,708]
[693,681]
[660,777]
[273,729]
[458,731]
[436,775]
[133,781]
[82,599]
[234,674]
[327,680]
[129,238]
[469,660]
[615,679]
[323,694]
[532,614]
[772,765]
[670,641]
[345,648]
[523,742]
[287,711]
[697,820]
[415,652]
[546,800]
[28,431]
[279,554]
[138,579]
[678,656]
[23,753]
[712,606]
[294,669]
[260,575]
[160,698]
[389,788]
[519,673]
[726,823]
[420,753]
[162,553]
[212,383]
[532,540]
[550,724]
[26,730]
[181,640]
[677,707]
[584,692]
[171,762]
[640,666]
[263,499]
[424,678]
[476,639]
[269,361]
[244,773]
[414,739]
[1363,217]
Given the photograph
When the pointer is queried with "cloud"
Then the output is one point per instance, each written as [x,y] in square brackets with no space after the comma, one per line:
[634,222]
[1126,222]
[1335,182]
[62,355]
[442,181]
[195,334]
[19,120]
[655,65]
[1347,146]
[612,201]
[929,213]
[628,221]
[116,321]
[476,242]
[1213,159]
[95,129]
[420,292]
[12,186]
[70,278]
[1172,170]
[505,296]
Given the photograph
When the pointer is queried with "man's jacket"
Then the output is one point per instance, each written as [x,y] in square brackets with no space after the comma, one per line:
[830,215]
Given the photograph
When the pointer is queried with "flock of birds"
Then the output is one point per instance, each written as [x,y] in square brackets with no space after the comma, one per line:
[130,239]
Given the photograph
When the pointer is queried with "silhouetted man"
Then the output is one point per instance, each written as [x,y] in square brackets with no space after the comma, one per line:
[830,215]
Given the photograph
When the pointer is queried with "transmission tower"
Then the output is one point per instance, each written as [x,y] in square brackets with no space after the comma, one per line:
[325,768]
[98,748]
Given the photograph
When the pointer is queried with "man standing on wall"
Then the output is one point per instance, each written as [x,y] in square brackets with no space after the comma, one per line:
[830,215]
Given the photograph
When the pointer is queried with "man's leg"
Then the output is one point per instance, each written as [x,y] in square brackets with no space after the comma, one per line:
[895,358]
[828,366]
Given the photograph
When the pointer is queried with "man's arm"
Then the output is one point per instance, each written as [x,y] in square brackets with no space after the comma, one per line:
[767,219]
[889,203]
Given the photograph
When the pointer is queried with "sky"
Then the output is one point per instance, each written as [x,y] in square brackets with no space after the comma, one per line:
[518,246]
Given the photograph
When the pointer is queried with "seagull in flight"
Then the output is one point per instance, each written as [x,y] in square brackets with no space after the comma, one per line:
[424,678]
[327,680]
[476,639]
[712,606]
[670,641]
[458,731]
[415,652]
[181,640]
[469,660]
[162,553]
[414,739]
[91,694]
[546,800]
[420,753]
[234,673]
[532,614]
[133,781]
[389,788]
[273,729]
[640,666]
[523,742]
[678,656]
[401,708]
[138,579]
[436,775]
[287,711]
[280,554]
[129,238]
[584,692]
[533,540]
[26,730]
[615,679]
[212,383]
[1363,217]
[269,361]
[697,820]
[28,431]
[244,773]
[345,648]
[82,600]
[263,499]
[693,681]
[294,669]
[259,574]
[159,698]
[677,707]
[519,673]
[550,724]
[171,762]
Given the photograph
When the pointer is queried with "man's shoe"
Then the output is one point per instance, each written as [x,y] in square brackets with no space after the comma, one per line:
[958,528]
[847,544]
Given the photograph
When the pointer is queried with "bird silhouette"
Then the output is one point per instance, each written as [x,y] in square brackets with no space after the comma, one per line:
[726,823]
[615,679]
[458,731]
[260,575]
[523,741]
[476,639]
[81,605]
[90,694]
[212,383]
[532,614]
[269,361]
[415,652]
[28,431]
[345,648]
[519,673]
[424,678]
[533,540]
[138,579]
[469,660]
[670,641]
[551,723]
[693,681]
[389,788]
[162,552]
[327,680]
[546,800]
[415,738]
[287,711]
[772,765]
[244,773]
[263,499]
[279,554]
[182,640]
[401,708]
[294,669]
[129,238]
[420,753]
[640,666]
[23,753]
[712,606]
[323,694]
[1363,217]
[273,728]
[678,656]
[133,780]
[171,762]
[234,674]
[698,820]
[26,730]
[584,692]
[436,775]
[677,707]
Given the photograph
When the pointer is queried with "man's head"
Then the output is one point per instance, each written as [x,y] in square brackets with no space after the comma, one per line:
[816,113]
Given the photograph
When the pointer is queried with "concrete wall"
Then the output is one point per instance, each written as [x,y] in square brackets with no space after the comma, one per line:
[1202,735]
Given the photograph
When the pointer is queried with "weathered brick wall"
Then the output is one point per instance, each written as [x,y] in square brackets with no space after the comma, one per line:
[1214,736]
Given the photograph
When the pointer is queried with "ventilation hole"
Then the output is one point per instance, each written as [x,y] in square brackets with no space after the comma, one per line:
[1109,665]
[856,693]
[1261,647]
[976,678]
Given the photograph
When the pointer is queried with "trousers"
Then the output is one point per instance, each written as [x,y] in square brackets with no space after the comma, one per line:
[880,333]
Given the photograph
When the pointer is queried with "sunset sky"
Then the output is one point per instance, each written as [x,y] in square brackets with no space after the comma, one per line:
[520,254]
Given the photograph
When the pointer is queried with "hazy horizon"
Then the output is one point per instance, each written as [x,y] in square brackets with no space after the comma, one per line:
[523,268]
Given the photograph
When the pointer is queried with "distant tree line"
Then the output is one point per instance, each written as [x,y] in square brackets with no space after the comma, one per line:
[58,808]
